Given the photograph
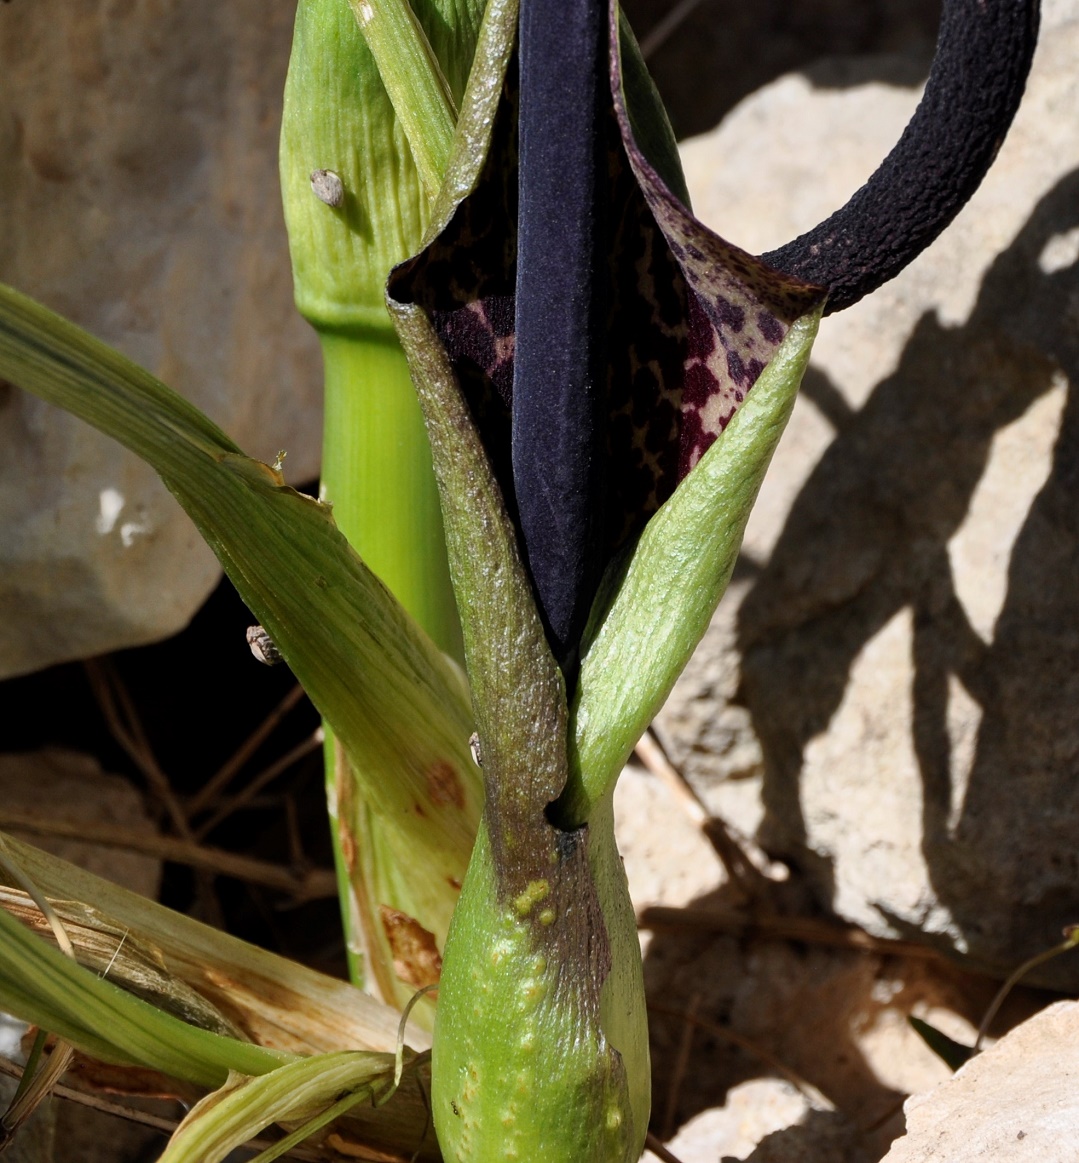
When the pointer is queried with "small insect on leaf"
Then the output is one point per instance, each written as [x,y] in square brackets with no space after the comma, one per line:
[328,187]
[263,647]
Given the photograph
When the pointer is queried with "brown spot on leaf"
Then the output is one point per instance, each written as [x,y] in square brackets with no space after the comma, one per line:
[416,959]
[444,785]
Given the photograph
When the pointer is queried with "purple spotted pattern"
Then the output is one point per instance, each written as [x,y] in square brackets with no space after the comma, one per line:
[737,309]
[465,281]
[692,320]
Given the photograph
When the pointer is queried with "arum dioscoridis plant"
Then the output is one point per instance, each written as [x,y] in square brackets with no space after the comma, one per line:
[603,382]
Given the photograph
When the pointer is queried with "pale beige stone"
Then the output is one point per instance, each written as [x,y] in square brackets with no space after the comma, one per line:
[138,179]
[1017,1101]
[901,647]
[68,787]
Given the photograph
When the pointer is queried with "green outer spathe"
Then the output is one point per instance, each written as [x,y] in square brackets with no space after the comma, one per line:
[642,634]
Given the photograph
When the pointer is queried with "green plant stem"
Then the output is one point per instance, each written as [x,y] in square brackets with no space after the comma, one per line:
[376,472]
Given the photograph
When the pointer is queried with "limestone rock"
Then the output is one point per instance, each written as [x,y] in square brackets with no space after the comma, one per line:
[69,787]
[138,179]
[705,57]
[896,670]
[753,1110]
[1017,1101]
[670,865]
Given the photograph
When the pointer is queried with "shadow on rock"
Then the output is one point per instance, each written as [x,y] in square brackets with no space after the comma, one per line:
[870,549]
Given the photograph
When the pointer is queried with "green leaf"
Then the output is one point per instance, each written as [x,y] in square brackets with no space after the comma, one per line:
[311,1092]
[276,1001]
[656,605]
[948,1050]
[42,986]
[414,80]
[367,117]
[399,707]
[338,118]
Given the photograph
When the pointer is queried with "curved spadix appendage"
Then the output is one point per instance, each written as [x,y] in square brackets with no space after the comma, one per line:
[979,72]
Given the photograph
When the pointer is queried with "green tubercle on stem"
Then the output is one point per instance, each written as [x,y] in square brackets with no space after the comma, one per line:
[561,1074]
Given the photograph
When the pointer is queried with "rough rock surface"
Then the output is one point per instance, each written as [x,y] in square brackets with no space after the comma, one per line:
[69,787]
[707,55]
[138,179]
[1015,1102]
[770,1050]
[895,673]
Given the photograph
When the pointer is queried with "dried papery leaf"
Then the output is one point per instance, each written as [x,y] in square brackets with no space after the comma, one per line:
[271,1000]
[34,1089]
[42,986]
[39,1075]
[311,1092]
[415,953]
[113,952]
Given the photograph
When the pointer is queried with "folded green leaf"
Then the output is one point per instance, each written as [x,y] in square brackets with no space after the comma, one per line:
[311,1092]
[361,109]
[657,604]
[272,1000]
[40,985]
[398,706]
[410,71]
[352,123]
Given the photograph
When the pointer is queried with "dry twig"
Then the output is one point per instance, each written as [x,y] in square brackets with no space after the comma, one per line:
[221,778]
[126,728]
[811,930]
[311,884]
[814,1096]
[681,1064]
[741,871]
[659,34]
[244,797]
[653,1143]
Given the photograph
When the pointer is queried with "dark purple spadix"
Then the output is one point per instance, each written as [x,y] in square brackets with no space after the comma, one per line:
[560,358]
[979,71]
[602,337]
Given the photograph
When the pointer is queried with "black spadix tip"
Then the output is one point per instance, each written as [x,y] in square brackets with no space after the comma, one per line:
[983,56]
